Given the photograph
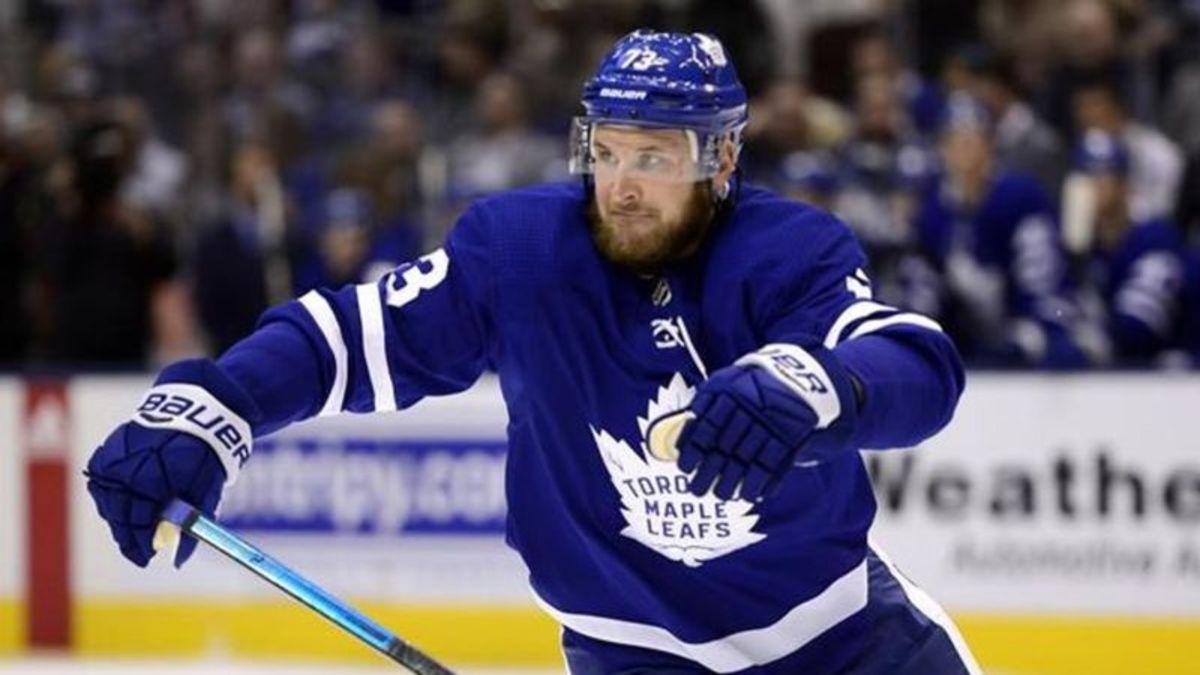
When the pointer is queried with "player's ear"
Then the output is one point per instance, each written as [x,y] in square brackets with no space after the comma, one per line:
[727,161]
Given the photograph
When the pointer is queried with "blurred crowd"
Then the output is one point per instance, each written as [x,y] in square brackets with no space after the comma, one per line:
[1027,172]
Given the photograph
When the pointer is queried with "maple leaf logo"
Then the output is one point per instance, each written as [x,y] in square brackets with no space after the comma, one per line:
[658,509]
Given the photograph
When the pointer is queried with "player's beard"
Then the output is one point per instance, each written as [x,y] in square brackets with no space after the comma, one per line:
[650,251]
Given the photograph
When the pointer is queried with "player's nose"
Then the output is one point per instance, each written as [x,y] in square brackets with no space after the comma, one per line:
[626,190]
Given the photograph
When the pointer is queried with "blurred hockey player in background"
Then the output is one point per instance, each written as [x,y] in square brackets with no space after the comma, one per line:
[690,365]
[1148,282]
[881,169]
[1155,163]
[991,235]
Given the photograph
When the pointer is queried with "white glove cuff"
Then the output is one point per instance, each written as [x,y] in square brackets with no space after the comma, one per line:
[193,410]
[803,374]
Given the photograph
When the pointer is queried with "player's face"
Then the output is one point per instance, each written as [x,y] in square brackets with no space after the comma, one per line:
[650,207]
[966,153]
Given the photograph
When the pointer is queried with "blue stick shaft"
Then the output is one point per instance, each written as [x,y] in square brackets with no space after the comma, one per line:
[192,522]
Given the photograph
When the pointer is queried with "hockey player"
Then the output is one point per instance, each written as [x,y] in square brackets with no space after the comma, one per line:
[1147,281]
[1001,284]
[659,290]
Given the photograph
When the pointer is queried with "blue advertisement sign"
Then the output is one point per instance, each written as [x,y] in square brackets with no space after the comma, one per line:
[370,486]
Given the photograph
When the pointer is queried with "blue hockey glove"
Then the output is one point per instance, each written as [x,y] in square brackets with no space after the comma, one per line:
[188,438]
[773,409]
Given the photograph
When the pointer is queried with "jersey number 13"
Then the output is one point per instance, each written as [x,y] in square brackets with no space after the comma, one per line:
[422,274]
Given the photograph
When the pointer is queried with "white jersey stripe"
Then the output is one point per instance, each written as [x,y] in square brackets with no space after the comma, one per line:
[320,311]
[738,651]
[691,348]
[905,318]
[855,312]
[931,609]
[370,313]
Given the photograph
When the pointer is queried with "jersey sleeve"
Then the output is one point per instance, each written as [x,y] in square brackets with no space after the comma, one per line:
[423,329]
[909,370]
[1147,307]
[1046,326]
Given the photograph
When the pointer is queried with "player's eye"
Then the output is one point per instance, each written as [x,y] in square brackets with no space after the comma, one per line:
[604,155]
[652,162]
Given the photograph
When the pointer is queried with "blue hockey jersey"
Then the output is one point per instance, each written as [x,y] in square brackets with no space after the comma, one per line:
[588,355]
[999,280]
[1150,286]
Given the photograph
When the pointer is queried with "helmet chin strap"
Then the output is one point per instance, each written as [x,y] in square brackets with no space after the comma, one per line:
[725,195]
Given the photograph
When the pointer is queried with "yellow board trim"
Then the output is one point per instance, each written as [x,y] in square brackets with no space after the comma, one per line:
[1072,645]
[518,636]
[12,625]
[460,634]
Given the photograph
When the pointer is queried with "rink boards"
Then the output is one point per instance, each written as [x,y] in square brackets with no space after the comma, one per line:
[1056,518]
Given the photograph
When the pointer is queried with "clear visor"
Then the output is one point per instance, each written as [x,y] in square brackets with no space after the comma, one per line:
[607,149]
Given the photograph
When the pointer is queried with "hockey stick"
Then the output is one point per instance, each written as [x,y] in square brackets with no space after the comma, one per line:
[181,516]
